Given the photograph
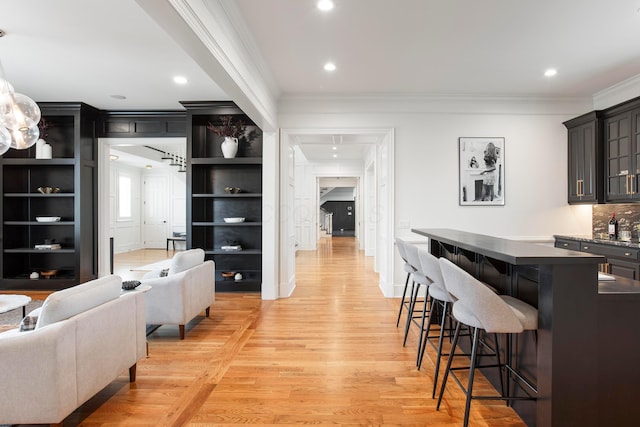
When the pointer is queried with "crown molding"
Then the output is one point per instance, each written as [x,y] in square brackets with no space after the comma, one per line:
[618,93]
[437,104]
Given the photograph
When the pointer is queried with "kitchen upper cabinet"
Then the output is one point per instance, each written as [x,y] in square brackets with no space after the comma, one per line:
[585,158]
[622,147]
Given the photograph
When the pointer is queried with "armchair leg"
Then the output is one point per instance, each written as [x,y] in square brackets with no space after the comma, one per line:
[56,424]
[181,327]
[206,311]
[132,373]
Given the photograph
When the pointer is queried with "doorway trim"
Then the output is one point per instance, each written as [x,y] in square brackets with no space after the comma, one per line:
[384,212]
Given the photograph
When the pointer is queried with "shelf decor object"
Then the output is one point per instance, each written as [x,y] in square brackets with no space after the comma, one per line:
[231,131]
[19,117]
[224,202]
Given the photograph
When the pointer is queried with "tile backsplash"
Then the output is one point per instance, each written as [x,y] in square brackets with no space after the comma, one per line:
[628,216]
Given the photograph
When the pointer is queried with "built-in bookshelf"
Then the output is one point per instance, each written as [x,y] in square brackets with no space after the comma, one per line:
[66,218]
[235,247]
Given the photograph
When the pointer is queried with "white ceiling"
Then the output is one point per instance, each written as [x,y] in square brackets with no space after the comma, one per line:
[89,50]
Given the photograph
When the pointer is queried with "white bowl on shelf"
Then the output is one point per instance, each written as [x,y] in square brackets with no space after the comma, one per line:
[233,220]
[48,218]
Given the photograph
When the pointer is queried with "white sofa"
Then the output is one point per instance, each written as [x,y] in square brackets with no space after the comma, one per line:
[186,290]
[85,337]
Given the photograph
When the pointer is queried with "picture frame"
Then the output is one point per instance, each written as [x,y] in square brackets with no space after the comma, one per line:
[481,165]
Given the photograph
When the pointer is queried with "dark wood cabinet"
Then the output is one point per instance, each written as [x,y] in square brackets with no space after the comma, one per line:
[630,270]
[622,260]
[142,124]
[622,147]
[208,203]
[72,169]
[585,158]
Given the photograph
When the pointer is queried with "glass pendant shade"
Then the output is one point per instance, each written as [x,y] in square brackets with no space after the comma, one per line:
[18,112]
[5,87]
[5,140]
[23,139]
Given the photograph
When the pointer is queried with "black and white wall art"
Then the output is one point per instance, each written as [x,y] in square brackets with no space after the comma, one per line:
[481,166]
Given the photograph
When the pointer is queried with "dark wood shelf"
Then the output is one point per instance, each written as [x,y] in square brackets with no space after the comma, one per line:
[39,251]
[38,162]
[208,203]
[52,195]
[241,286]
[227,196]
[242,252]
[225,224]
[225,161]
[52,223]
[73,169]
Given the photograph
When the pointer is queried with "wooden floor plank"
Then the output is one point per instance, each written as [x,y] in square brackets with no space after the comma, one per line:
[328,355]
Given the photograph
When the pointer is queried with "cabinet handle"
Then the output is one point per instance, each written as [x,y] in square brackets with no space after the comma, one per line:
[578,192]
[565,244]
[627,186]
[586,247]
[633,187]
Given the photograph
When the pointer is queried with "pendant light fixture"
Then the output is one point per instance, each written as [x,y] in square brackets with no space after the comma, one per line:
[19,117]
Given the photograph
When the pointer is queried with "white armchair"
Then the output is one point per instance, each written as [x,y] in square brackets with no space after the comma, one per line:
[186,291]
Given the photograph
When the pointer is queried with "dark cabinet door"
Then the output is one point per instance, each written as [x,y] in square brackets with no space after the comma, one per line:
[585,159]
[630,270]
[623,157]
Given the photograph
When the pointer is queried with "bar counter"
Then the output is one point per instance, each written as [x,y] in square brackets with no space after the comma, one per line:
[585,360]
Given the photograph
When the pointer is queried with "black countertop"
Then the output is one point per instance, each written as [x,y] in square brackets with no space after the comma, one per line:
[622,243]
[510,251]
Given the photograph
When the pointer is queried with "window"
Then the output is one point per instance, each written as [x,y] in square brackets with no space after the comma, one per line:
[124,197]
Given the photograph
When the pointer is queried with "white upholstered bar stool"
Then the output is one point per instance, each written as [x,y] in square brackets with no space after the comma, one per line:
[404,303]
[418,307]
[479,307]
[439,297]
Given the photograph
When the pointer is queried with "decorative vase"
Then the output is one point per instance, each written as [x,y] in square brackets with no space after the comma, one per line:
[39,144]
[230,147]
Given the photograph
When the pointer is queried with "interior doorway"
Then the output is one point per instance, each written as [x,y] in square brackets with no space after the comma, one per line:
[338,202]
[308,155]
[153,175]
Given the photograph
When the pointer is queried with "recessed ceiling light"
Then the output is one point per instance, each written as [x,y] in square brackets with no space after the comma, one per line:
[550,72]
[330,66]
[335,155]
[325,5]
[113,157]
[334,147]
[118,97]
[180,80]
[148,166]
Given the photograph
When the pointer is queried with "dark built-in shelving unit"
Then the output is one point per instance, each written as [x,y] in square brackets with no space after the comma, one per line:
[73,169]
[208,174]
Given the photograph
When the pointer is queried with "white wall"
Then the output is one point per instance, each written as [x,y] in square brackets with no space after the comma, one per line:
[128,235]
[426,162]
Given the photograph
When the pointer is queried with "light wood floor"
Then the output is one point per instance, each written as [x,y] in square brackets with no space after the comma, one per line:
[328,355]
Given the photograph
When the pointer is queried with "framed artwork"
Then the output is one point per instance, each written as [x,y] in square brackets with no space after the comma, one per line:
[481,166]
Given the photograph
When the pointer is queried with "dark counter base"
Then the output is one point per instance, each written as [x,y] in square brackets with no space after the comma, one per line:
[563,286]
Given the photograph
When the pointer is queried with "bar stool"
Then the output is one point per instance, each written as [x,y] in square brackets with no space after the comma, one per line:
[404,303]
[419,280]
[440,297]
[478,307]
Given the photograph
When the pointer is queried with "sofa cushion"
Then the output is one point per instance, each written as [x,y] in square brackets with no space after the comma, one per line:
[185,260]
[66,303]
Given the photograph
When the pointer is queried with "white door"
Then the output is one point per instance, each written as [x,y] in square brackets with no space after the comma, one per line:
[155,211]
